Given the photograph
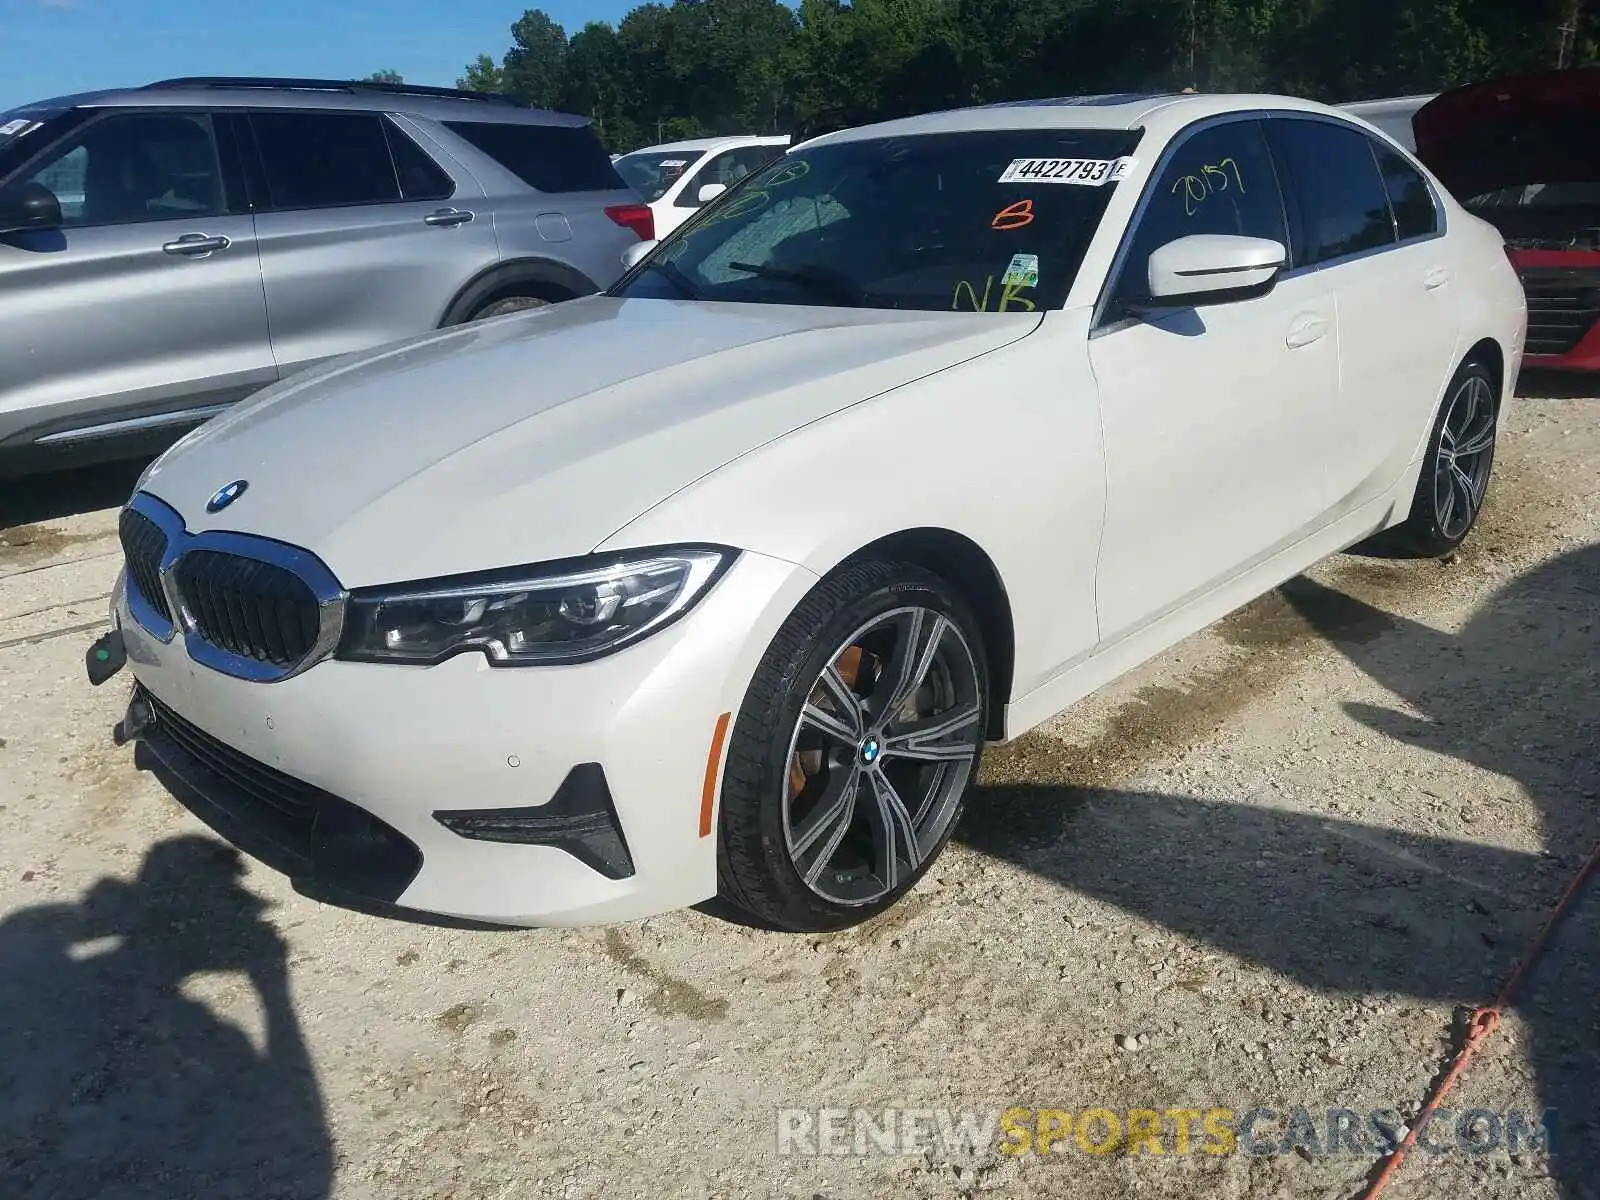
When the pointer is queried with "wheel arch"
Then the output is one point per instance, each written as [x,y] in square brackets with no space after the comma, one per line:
[544,277]
[967,567]
[1489,353]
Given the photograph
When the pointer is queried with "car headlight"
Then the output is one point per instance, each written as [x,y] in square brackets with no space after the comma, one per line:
[559,613]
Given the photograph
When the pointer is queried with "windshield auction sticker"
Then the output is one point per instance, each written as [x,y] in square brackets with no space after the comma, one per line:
[1084,172]
[15,128]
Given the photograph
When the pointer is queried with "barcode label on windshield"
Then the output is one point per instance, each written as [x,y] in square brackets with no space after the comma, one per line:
[1084,172]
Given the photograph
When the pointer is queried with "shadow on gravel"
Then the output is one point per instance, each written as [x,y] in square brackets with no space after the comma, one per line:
[115,1084]
[28,499]
[1557,385]
[1344,907]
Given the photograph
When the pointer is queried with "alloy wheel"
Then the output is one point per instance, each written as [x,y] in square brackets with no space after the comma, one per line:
[884,748]
[1465,456]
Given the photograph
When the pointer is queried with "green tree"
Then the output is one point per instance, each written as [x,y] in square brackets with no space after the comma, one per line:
[387,75]
[532,67]
[679,68]
[483,75]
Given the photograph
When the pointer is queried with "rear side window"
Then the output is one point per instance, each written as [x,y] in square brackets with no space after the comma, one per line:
[548,158]
[1221,180]
[325,160]
[1338,195]
[420,177]
[1409,197]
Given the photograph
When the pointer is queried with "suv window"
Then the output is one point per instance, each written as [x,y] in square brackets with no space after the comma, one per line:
[135,167]
[420,177]
[1409,197]
[548,158]
[1221,180]
[324,160]
[727,169]
[1339,195]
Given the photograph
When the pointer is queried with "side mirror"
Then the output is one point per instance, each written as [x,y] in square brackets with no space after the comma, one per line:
[634,254]
[1214,268]
[711,191]
[31,206]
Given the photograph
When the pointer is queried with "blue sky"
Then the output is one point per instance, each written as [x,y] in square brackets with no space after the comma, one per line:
[54,47]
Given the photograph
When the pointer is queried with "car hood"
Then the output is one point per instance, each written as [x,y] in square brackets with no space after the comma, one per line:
[1513,132]
[537,436]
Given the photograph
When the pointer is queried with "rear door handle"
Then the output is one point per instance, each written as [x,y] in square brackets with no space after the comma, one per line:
[1436,278]
[448,217]
[196,245]
[1305,330]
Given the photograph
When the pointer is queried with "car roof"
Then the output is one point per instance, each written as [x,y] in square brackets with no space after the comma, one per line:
[1116,111]
[702,145]
[440,104]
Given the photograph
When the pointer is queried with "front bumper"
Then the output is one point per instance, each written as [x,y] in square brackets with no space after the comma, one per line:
[340,776]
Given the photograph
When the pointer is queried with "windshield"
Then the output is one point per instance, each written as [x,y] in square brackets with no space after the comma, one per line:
[653,173]
[20,122]
[974,222]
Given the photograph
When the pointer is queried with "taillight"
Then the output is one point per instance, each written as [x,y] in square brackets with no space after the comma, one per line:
[636,217]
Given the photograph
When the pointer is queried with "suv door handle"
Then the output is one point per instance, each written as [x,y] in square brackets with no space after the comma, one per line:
[196,245]
[448,217]
[1305,330]
[1436,278]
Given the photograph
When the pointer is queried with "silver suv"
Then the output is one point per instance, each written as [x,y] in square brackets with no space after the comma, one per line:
[167,250]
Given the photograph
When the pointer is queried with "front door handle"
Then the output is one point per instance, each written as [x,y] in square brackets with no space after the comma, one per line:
[1436,278]
[196,245]
[448,217]
[1305,330]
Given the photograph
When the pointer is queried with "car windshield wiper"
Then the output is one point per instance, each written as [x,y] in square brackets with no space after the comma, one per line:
[675,276]
[813,279]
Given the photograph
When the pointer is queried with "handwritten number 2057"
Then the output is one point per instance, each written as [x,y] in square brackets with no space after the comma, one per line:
[1213,178]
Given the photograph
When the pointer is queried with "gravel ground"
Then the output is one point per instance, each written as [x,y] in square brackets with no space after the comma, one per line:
[1271,869]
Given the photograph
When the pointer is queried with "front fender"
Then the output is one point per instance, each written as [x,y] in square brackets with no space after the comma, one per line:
[1004,449]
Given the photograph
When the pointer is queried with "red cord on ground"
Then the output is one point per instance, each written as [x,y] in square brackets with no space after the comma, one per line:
[1484,1021]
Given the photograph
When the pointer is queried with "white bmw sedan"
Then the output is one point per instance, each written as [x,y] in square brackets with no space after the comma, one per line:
[721,581]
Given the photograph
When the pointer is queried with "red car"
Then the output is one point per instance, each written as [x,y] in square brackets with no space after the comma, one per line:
[1523,153]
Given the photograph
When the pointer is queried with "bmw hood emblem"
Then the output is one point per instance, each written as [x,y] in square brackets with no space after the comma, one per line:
[226,495]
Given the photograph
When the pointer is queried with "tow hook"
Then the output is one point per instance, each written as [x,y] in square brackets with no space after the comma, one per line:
[106,657]
[138,718]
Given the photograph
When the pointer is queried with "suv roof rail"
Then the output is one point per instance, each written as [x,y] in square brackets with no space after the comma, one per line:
[352,86]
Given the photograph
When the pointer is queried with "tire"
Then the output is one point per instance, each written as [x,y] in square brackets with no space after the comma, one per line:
[1455,470]
[510,304]
[811,836]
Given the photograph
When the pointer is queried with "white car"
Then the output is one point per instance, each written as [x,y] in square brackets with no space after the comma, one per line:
[720,582]
[677,179]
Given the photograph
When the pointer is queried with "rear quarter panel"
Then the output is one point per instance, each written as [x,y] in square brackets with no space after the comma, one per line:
[567,227]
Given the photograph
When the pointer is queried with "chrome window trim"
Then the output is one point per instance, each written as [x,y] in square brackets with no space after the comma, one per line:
[325,586]
[1098,324]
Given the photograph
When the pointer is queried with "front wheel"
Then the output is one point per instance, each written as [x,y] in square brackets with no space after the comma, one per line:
[861,730]
[1455,469]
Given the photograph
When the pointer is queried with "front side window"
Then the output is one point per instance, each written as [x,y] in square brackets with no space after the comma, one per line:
[1220,180]
[969,222]
[134,167]
[1342,203]
[325,160]
[1410,199]
[653,174]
